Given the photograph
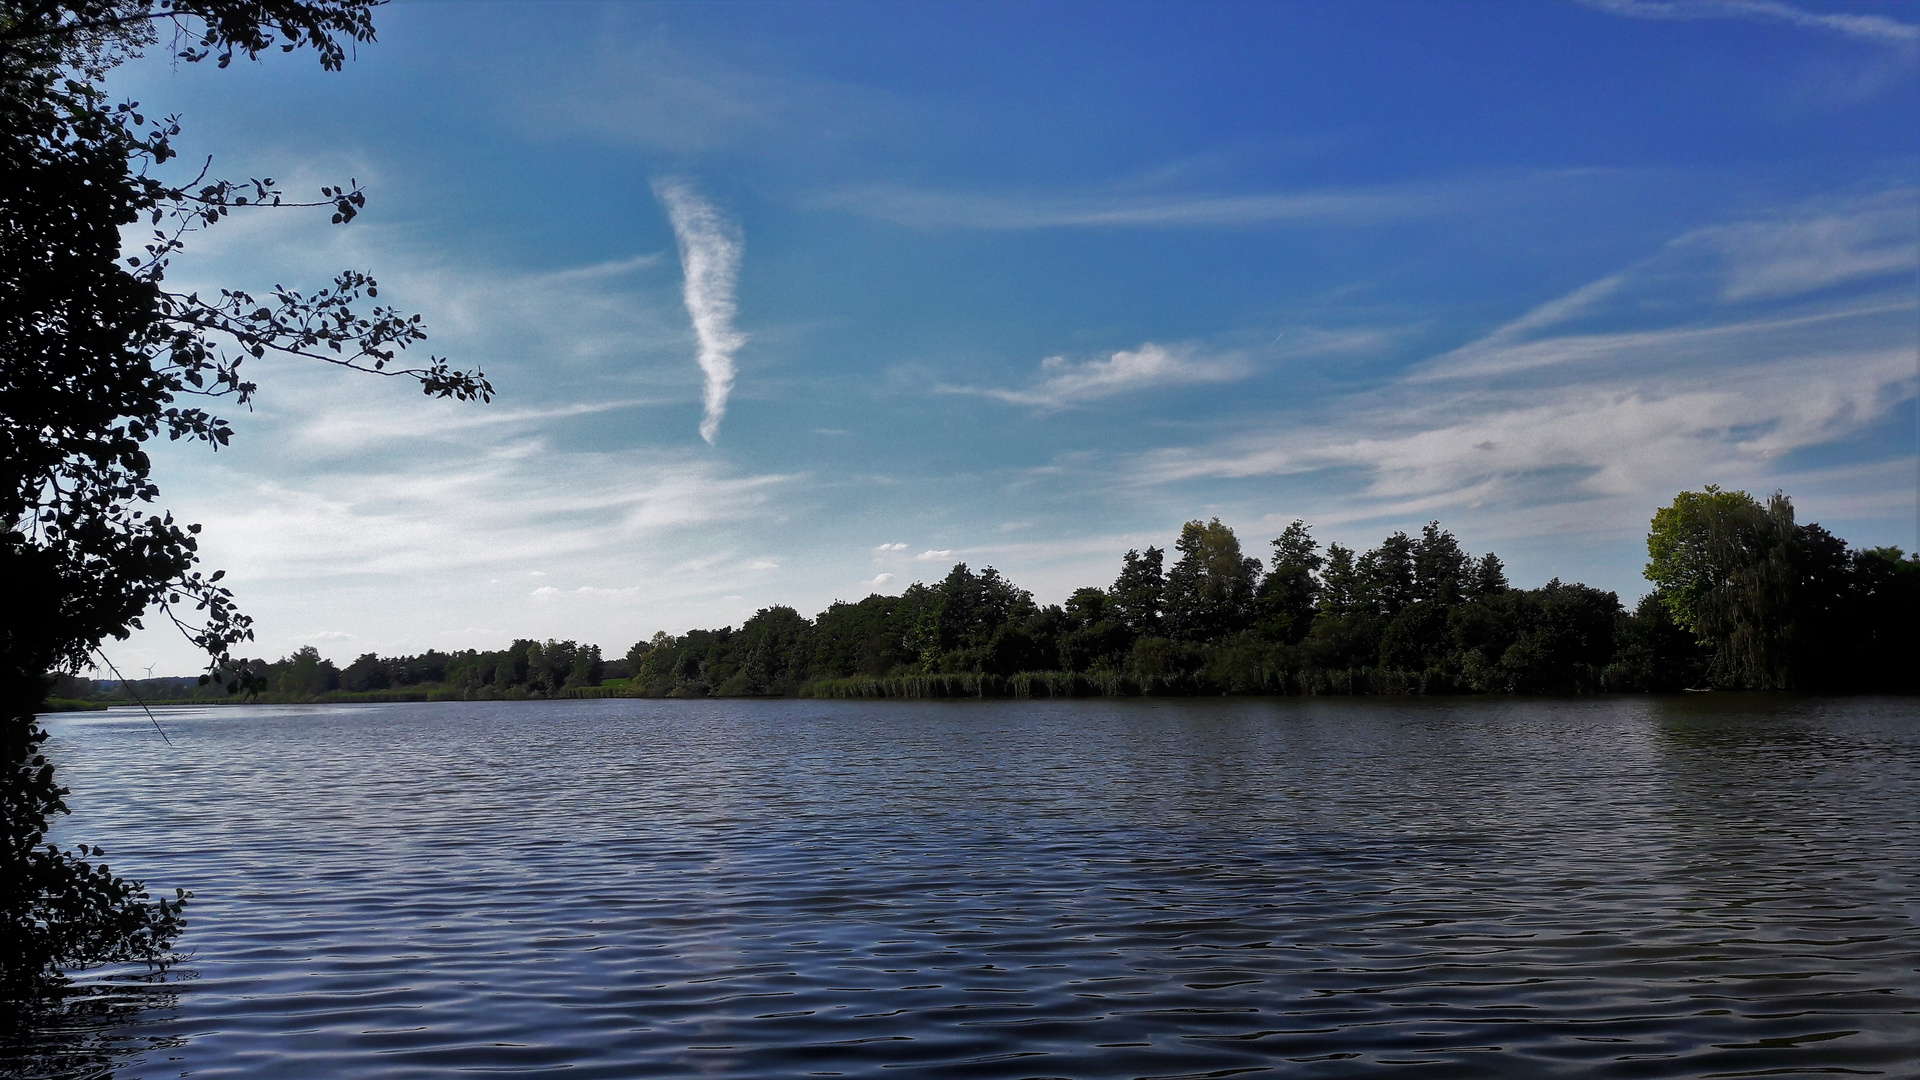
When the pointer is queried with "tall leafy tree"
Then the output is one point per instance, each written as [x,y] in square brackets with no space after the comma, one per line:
[774,646]
[1727,569]
[1139,593]
[98,357]
[1440,568]
[1388,573]
[1343,591]
[1290,592]
[1210,590]
[1487,577]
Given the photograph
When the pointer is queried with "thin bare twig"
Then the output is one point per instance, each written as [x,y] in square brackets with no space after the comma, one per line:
[130,693]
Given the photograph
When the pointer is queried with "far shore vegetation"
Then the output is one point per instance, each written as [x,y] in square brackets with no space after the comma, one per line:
[1744,598]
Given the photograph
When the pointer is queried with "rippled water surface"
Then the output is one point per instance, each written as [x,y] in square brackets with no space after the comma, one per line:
[1612,887]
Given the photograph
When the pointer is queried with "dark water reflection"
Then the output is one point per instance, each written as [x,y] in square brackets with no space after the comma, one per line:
[1615,887]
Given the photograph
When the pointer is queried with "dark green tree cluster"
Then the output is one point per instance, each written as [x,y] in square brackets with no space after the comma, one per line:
[1781,605]
[1745,599]
[528,668]
[371,672]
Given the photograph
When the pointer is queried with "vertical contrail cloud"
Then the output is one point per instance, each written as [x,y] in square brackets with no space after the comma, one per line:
[710,263]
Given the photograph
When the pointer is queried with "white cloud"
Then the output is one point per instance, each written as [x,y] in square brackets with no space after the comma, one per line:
[348,431]
[1126,206]
[1657,352]
[489,314]
[891,547]
[710,260]
[1586,438]
[933,555]
[1876,28]
[763,564]
[979,211]
[329,635]
[506,504]
[421,540]
[636,84]
[1859,252]
[1825,246]
[613,268]
[877,582]
[1560,418]
[1065,383]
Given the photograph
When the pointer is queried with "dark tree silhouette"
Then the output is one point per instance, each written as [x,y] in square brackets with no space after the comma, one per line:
[97,358]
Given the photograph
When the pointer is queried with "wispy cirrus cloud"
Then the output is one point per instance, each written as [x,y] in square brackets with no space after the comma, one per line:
[1064,383]
[1661,376]
[1843,268]
[634,84]
[454,525]
[1585,439]
[987,211]
[485,313]
[1149,204]
[710,260]
[329,431]
[1820,246]
[1877,28]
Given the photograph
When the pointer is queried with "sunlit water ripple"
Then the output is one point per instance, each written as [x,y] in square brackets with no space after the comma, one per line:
[1612,887]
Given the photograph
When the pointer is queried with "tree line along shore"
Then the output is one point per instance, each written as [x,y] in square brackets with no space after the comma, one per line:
[1743,598]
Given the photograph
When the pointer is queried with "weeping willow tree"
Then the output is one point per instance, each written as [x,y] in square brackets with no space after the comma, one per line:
[1728,568]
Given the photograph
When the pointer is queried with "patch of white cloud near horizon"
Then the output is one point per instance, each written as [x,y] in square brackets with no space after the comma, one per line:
[499,507]
[1065,383]
[710,262]
[1538,415]
[1877,28]
[378,481]
[394,548]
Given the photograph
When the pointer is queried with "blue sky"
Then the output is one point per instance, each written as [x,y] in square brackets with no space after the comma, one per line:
[1028,285]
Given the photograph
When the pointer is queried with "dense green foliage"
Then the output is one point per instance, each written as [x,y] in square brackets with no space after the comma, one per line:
[1783,605]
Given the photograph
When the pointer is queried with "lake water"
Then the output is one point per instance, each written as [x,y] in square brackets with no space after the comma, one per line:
[1631,887]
